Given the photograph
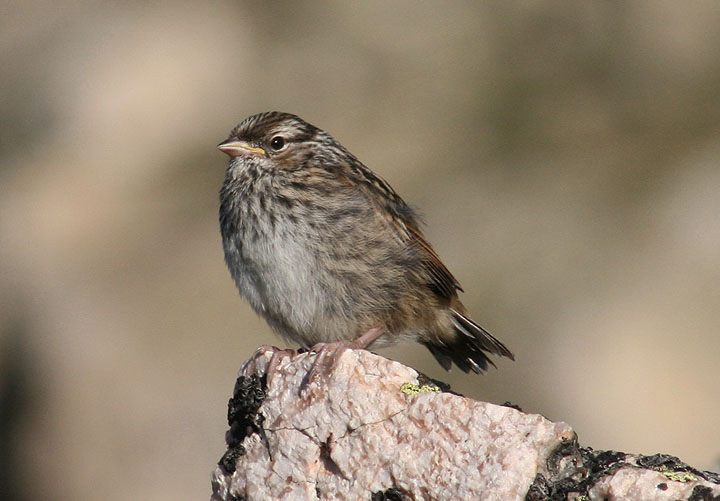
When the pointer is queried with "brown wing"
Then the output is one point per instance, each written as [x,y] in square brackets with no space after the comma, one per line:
[443,282]
[399,216]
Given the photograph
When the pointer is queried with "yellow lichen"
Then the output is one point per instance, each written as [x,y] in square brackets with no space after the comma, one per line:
[413,389]
[678,476]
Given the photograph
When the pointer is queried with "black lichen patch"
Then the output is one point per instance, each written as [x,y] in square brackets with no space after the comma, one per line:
[229,459]
[595,465]
[244,417]
[598,464]
[566,464]
[702,493]
[603,462]
[567,469]
[243,414]
[391,494]
[540,489]
[513,406]
[662,461]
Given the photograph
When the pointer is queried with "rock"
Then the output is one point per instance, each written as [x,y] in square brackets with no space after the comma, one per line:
[371,428]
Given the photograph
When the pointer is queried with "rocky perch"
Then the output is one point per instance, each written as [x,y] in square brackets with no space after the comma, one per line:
[374,429]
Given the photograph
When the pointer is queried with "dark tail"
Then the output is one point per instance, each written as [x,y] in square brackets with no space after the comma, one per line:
[470,348]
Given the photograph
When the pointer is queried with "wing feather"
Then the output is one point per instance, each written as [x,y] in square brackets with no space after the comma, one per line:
[398,215]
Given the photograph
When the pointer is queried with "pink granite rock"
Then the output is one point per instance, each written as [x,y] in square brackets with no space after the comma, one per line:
[371,425]
[374,429]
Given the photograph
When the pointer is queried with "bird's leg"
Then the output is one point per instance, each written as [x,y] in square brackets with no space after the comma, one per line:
[335,350]
[368,338]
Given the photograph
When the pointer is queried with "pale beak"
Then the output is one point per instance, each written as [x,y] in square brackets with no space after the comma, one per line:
[235,148]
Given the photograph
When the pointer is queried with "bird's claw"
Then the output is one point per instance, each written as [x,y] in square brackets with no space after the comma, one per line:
[328,354]
[272,365]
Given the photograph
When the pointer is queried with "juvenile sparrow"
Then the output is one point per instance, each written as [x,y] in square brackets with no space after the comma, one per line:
[330,255]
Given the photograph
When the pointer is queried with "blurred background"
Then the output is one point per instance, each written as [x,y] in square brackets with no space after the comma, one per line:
[564,155]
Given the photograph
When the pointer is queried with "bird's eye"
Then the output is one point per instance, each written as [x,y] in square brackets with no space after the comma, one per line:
[277,143]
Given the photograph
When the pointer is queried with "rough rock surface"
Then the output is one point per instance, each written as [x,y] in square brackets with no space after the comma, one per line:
[374,429]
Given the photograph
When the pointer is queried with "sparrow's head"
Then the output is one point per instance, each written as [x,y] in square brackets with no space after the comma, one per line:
[277,140]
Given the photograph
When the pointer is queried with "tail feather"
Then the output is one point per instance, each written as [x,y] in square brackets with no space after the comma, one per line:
[470,348]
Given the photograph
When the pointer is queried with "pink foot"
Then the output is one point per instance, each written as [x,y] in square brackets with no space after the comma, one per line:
[271,367]
[329,353]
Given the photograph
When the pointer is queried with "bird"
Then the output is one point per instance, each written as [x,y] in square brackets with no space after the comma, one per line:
[330,255]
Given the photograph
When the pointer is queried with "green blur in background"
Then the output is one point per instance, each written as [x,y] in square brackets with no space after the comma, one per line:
[564,155]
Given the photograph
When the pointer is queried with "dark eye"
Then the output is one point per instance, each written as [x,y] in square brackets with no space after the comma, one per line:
[277,143]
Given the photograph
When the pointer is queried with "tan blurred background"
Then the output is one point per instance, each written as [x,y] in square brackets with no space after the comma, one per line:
[565,156]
